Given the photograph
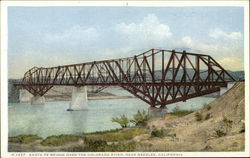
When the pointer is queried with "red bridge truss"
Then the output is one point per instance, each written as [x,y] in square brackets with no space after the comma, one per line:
[158,77]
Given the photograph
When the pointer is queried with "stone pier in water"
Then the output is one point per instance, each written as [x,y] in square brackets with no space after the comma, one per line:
[24,96]
[37,100]
[79,99]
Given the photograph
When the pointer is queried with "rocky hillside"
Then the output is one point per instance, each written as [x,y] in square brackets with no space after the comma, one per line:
[220,126]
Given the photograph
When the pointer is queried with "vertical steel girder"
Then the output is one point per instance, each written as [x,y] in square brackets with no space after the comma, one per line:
[158,77]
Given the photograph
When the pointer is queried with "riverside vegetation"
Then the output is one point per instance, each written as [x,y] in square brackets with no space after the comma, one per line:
[181,130]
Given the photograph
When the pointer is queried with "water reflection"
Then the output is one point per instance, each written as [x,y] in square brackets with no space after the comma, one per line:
[79,121]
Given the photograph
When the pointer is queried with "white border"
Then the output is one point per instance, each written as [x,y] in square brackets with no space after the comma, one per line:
[4,74]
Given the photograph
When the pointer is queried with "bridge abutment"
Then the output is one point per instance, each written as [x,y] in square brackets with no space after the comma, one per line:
[79,99]
[225,89]
[37,100]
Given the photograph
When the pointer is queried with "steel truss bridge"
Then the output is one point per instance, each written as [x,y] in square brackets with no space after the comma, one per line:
[158,77]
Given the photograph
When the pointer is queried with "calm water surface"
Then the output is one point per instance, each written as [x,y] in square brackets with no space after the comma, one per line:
[52,118]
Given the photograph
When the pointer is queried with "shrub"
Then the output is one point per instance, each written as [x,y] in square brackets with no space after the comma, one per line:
[178,112]
[24,139]
[158,133]
[60,140]
[220,133]
[208,107]
[198,116]
[140,119]
[208,116]
[227,122]
[242,130]
[123,121]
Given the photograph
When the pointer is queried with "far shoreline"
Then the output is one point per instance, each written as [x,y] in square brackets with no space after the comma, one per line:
[51,99]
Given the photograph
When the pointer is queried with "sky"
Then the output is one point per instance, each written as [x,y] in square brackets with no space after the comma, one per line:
[52,36]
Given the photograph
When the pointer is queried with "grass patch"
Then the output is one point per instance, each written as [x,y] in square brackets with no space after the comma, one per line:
[120,135]
[120,147]
[24,139]
[220,133]
[198,116]
[178,112]
[158,133]
[60,140]
[75,149]
[98,145]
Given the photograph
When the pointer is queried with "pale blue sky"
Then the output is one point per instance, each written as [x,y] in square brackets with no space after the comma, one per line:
[50,36]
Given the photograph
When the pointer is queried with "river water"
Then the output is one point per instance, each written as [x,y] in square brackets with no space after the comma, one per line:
[52,118]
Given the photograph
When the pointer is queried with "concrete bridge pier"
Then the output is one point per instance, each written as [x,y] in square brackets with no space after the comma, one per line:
[24,96]
[79,99]
[225,89]
[156,112]
[35,100]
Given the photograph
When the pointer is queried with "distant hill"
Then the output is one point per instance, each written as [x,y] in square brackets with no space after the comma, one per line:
[237,75]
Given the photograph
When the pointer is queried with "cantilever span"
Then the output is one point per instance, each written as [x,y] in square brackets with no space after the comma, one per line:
[158,77]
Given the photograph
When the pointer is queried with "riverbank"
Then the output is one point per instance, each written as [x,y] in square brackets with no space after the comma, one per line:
[219,126]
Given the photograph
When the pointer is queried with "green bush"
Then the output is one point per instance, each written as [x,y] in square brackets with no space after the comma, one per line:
[158,133]
[198,116]
[24,139]
[123,121]
[178,112]
[60,140]
[220,133]
[140,119]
